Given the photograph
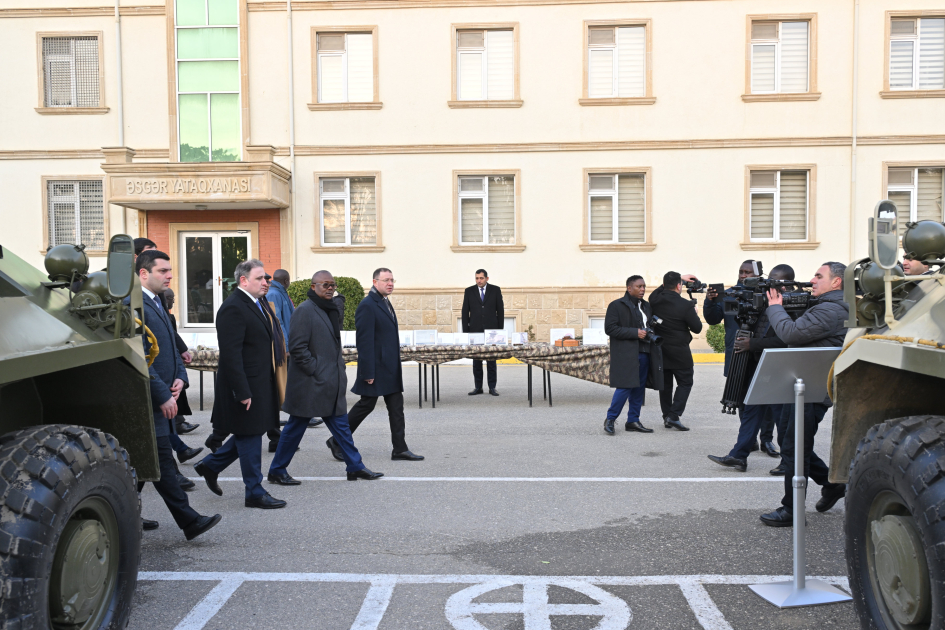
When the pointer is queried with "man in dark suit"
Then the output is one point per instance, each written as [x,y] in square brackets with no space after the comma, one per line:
[678,321]
[483,309]
[379,370]
[168,378]
[246,399]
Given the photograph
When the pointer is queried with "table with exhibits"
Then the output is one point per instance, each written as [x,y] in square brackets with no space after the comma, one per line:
[589,363]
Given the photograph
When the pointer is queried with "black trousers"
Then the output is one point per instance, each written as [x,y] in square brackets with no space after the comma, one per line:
[395,414]
[174,498]
[771,419]
[814,467]
[490,370]
[675,404]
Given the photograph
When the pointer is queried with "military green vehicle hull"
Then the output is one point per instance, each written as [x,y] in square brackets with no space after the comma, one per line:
[76,437]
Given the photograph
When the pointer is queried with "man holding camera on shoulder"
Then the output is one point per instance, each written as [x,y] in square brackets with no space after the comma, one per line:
[678,321]
[821,325]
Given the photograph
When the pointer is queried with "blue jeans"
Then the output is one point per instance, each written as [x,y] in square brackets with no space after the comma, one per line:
[248,449]
[634,395]
[292,437]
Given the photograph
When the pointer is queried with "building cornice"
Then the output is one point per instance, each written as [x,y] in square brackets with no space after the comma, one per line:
[75,154]
[81,11]
[347,5]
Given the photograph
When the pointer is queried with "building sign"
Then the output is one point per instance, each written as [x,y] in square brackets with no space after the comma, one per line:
[179,185]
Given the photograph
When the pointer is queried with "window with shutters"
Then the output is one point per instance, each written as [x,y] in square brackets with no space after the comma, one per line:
[72,73]
[75,212]
[917,193]
[485,66]
[915,55]
[781,58]
[349,211]
[344,68]
[617,210]
[778,206]
[486,213]
[616,64]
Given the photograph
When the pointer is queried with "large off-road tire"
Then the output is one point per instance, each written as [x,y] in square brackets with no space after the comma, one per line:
[70,530]
[895,525]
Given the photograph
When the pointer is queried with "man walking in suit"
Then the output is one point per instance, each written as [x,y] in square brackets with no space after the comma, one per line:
[379,369]
[317,382]
[246,400]
[483,309]
[168,378]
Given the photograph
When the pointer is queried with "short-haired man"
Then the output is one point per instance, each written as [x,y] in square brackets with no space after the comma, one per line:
[143,244]
[168,378]
[822,325]
[483,309]
[679,321]
[913,267]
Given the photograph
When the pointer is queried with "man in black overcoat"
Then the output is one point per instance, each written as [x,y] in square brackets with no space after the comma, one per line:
[679,321]
[635,361]
[246,400]
[483,310]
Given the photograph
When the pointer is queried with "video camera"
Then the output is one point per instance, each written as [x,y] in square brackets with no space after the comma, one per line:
[651,336]
[749,301]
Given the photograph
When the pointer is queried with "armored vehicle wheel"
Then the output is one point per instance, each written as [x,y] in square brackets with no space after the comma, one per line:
[70,530]
[895,525]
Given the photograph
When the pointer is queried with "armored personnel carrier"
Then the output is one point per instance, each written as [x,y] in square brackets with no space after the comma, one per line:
[889,427]
[76,437]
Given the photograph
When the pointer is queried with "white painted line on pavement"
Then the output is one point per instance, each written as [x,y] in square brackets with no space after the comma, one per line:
[210,605]
[547,479]
[375,605]
[707,613]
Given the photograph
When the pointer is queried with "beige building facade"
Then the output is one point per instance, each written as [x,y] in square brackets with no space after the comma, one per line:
[562,145]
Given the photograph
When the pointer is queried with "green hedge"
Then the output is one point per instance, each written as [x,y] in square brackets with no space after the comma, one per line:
[716,337]
[348,287]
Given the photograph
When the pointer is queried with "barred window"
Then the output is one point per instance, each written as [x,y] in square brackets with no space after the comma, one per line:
[76,213]
[71,72]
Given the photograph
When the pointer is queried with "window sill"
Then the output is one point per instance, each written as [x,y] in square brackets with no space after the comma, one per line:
[475,104]
[638,100]
[760,98]
[72,110]
[348,249]
[496,249]
[317,107]
[617,247]
[755,247]
[912,94]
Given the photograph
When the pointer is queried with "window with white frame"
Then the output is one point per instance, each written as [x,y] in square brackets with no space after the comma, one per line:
[917,193]
[779,204]
[616,205]
[345,67]
[780,57]
[917,54]
[487,210]
[616,61]
[348,208]
[485,65]
[71,72]
[75,213]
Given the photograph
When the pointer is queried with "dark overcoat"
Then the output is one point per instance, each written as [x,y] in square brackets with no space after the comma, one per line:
[246,369]
[621,324]
[680,320]
[168,365]
[317,381]
[378,344]
[481,315]
[183,405]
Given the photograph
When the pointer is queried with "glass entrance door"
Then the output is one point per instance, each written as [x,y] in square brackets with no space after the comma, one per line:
[208,260]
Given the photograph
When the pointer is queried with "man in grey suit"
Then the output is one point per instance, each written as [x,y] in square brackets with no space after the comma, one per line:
[317,382]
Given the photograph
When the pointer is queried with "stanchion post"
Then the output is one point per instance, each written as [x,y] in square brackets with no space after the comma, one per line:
[201,390]
[544,387]
[437,381]
[433,385]
[420,383]
[424,381]
[529,384]
[548,373]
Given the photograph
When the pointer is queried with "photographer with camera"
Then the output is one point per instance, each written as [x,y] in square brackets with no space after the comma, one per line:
[678,321]
[635,358]
[821,325]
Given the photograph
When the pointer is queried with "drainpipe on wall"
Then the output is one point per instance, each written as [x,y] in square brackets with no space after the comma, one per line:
[121,112]
[292,185]
[856,74]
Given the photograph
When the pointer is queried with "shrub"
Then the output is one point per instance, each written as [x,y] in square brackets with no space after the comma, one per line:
[348,287]
[716,337]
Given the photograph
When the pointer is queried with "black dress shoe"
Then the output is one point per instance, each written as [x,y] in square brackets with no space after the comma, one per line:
[284,480]
[364,473]
[407,456]
[185,483]
[609,426]
[780,471]
[189,454]
[210,477]
[314,422]
[730,462]
[185,427]
[672,423]
[476,391]
[492,392]
[770,450]
[779,518]
[335,449]
[637,426]
[754,447]
[149,525]
[830,496]
[265,502]
[202,524]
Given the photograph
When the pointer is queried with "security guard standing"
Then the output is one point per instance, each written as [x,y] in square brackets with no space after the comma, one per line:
[483,310]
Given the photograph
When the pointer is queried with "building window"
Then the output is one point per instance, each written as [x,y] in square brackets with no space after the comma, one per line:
[348,211]
[778,205]
[75,213]
[485,69]
[71,73]
[917,54]
[616,206]
[487,210]
[208,80]
[616,62]
[917,193]
[779,57]
[345,73]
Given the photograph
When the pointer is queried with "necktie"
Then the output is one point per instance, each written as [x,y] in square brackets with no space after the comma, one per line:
[260,307]
[482,294]
[389,307]
[160,307]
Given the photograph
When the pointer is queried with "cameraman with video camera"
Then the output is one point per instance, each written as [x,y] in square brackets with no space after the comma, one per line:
[822,325]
